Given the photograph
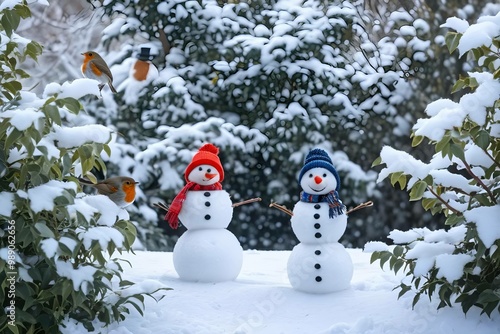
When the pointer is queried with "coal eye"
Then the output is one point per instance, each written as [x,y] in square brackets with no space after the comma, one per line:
[209,170]
[324,175]
[310,175]
[200,169]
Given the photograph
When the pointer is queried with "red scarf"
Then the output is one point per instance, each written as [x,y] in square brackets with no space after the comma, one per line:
[176,206]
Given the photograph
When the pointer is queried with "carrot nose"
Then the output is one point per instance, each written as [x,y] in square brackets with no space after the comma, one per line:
[210,176]
[318,179]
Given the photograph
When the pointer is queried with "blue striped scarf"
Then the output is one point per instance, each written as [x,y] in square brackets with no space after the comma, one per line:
[332,198]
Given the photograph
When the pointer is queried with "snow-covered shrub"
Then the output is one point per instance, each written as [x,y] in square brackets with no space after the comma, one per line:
[56,245]
[461,264]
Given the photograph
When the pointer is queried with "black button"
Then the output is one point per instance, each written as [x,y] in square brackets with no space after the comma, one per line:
[207,203]
[316,216]
[317,206]
[317,266]
[317,226]
[207,194]
[318,279]
[317,235]
[317,252]
[207,217]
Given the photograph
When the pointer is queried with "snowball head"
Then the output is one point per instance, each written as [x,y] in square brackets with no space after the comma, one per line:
[203,209]
[319,158]
[208,256]
[318,181]
[207,155]
[320,268]
[312,224]
[204,175]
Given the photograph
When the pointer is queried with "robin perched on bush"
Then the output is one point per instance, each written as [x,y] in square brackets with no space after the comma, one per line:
[120,189]
[94,67]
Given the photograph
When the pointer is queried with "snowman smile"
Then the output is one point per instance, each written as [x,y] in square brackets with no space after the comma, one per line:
[317,190]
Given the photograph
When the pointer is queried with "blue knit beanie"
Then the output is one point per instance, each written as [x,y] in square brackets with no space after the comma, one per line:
[319,158]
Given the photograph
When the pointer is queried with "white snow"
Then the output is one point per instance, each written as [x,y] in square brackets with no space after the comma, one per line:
[261,301]
[7,206]
[375,246]
[42,197]
[22,119]
[481,33]
[486,220]
[451,266]
[49,247]
[447,179]
[77,136]
[456,24]
[81,276]
[76,89]
[9,4]
[446,114]
[99,203]
[103,234]
[399,161]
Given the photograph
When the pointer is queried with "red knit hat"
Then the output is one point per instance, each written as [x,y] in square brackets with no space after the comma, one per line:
[207,155]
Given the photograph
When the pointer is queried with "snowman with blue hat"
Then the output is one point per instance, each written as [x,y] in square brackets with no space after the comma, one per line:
[319,263]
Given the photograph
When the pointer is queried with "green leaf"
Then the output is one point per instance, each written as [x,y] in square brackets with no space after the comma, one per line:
[44,230]
[458,86]
[377,162]
[483,139]
[14,135]
[398,265]
[417,191]
[72,105]
[398,251]
[395,177]
[452,39]
[416,140]
[415,300]
[404,289]
[52,113]
[457,151]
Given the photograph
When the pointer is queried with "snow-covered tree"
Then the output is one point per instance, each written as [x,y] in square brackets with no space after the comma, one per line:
[57,246]
[264,81]
[459,264]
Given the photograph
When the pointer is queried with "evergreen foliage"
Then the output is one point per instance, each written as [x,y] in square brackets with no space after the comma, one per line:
[463,184]
[57,248]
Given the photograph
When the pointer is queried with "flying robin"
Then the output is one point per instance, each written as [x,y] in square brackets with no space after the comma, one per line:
[94,67]
[120,189]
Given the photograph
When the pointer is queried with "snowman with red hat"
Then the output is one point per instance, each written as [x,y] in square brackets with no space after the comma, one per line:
[207,251]
[319,263]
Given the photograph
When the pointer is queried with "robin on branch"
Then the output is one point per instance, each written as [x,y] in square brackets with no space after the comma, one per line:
[94,67]
[120,189]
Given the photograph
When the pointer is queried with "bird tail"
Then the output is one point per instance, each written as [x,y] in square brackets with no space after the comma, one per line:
[112,88]
[85,182]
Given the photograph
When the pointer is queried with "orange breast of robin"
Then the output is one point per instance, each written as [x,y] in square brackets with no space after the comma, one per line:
[84,65]
[95,69]
[129,192]
[141,69]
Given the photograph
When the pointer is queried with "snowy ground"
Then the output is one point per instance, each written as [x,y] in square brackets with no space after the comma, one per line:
[261,301]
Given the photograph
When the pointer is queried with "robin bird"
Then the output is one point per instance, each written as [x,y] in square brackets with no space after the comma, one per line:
[94,67]
[120,189]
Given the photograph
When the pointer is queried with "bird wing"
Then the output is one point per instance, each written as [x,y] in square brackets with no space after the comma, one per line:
[100,67]
[106,188]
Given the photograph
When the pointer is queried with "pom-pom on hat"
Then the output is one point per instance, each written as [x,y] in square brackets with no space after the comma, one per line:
[319,158]
[207,155]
